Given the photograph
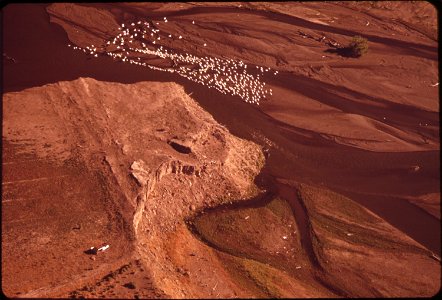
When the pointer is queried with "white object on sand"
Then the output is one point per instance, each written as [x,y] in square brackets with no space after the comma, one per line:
[104,248]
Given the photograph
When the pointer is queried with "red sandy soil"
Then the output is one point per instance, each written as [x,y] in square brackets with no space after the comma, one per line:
[83,128]
[345,201]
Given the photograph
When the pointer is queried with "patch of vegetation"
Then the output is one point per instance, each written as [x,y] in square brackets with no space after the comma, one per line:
[240,232]
[225,230]
[359,235]
[280,208]
[316,198]
[318,247]
[264,276]
[234,265]
[358,46]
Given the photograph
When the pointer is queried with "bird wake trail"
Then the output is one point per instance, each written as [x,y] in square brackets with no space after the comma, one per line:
[136,43]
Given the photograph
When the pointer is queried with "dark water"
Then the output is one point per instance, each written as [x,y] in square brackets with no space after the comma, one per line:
[43,57]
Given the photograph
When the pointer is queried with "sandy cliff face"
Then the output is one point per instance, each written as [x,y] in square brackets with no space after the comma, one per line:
[159,156]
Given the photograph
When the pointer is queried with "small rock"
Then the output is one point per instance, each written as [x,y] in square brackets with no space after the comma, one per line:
[192,207]
[125,149]
[92,257]
[284,237]
[349,234]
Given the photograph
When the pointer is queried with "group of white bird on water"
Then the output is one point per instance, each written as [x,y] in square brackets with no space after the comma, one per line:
[138,39]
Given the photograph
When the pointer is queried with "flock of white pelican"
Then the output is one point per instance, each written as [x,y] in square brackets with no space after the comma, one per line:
[138,42]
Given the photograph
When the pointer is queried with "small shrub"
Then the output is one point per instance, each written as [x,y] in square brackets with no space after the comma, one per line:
[358,46]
